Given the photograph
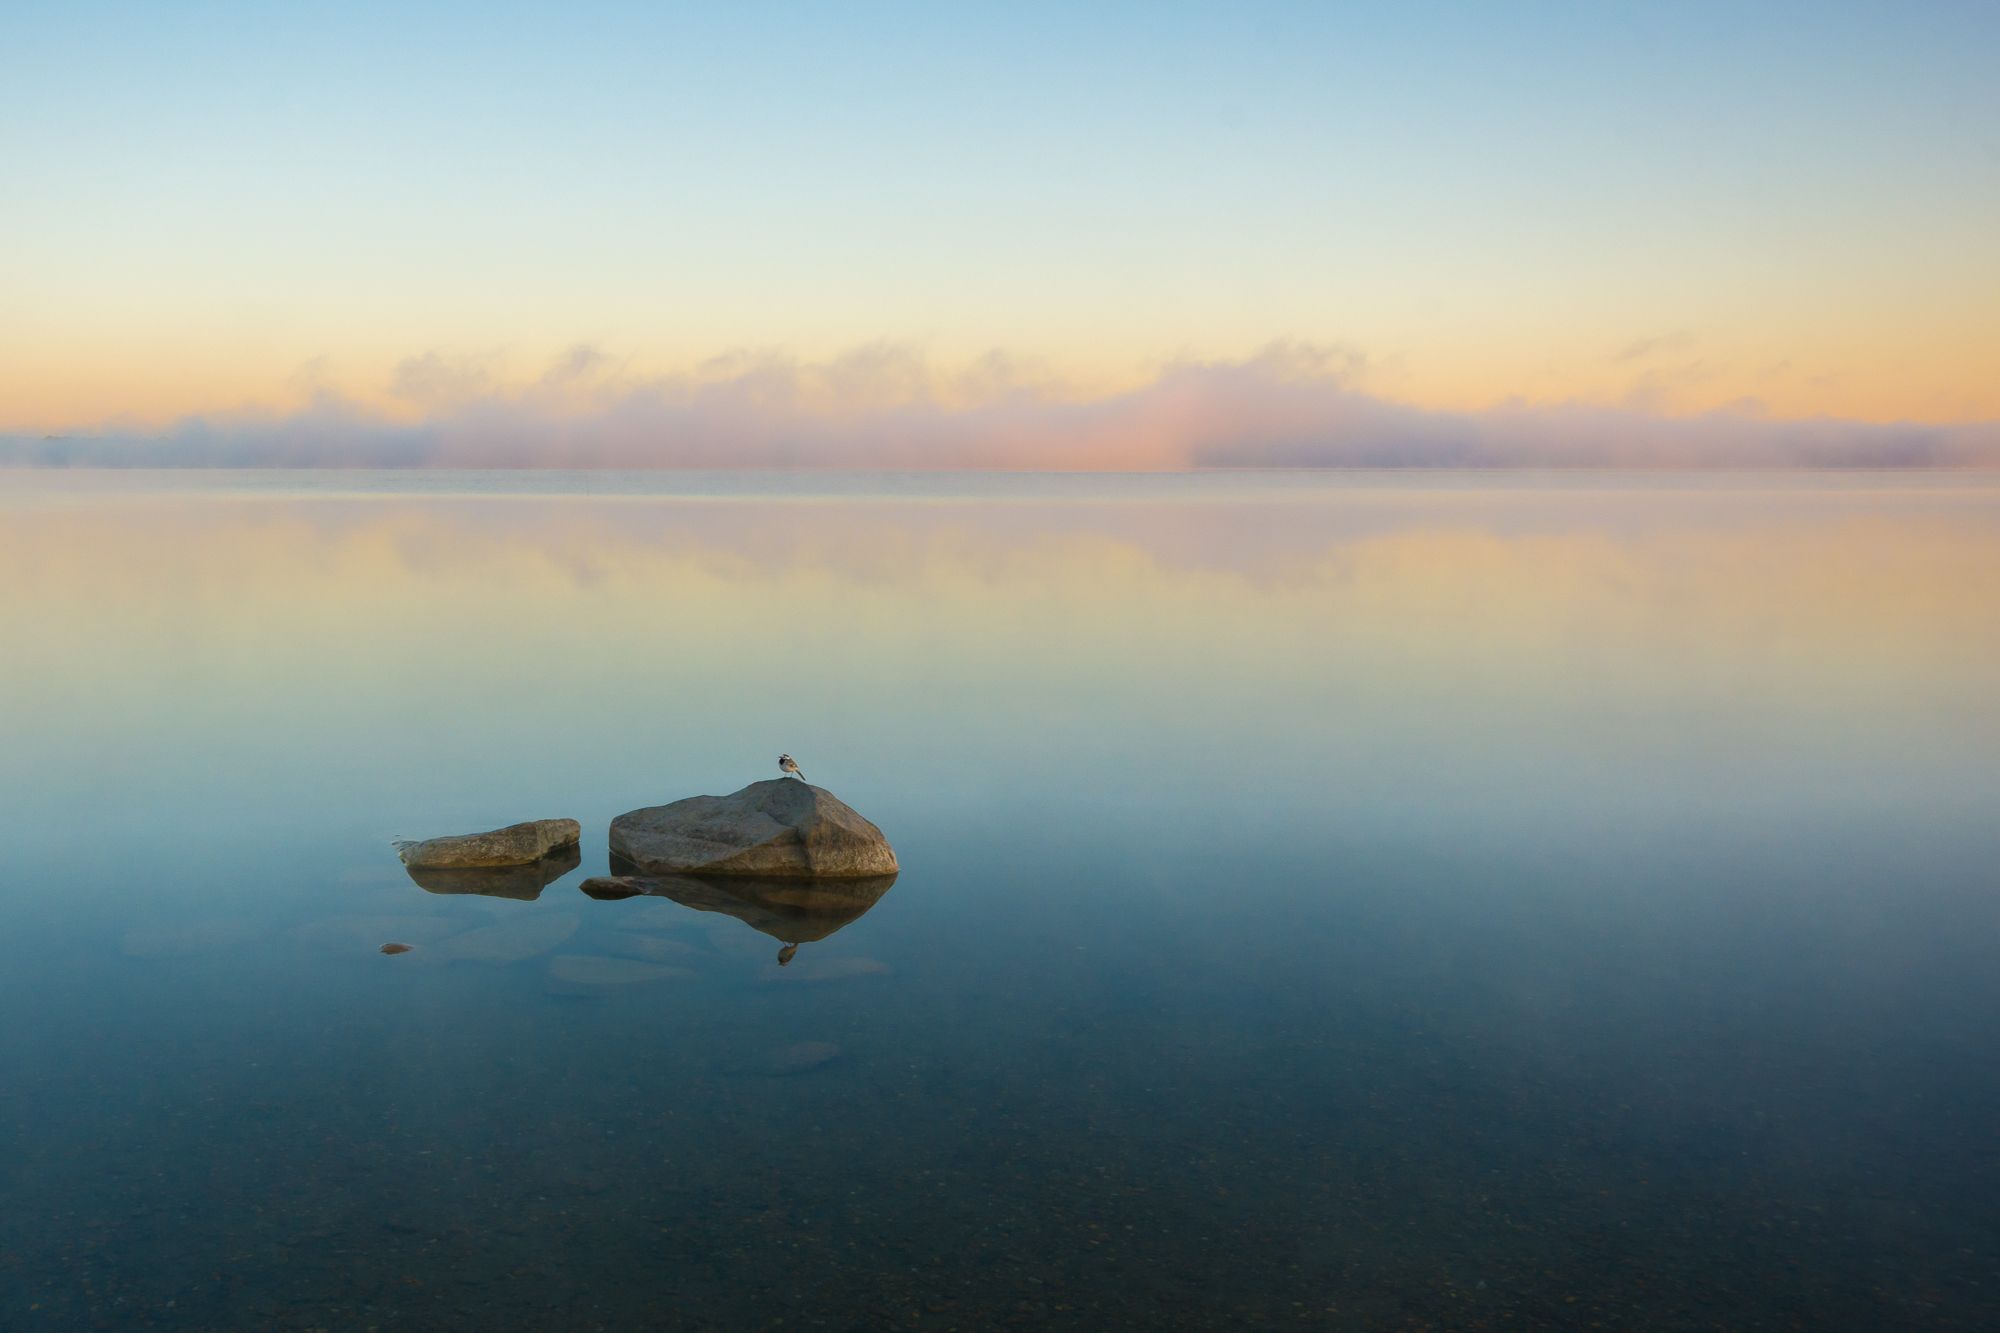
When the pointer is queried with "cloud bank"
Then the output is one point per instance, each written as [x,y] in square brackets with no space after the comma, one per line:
[884,407]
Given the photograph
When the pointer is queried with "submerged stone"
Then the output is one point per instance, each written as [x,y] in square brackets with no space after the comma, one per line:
[825,969]
[782,828]
[517,844]
[348,934]
[189,940]
[654,949]
[511,941]
[798,1058]
[593,970]
[397,948]
[648,916]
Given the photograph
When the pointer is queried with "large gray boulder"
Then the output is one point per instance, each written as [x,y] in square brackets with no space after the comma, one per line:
[515,845]
[781,829]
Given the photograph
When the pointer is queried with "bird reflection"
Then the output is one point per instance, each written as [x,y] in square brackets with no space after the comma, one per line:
[523,882]
[790,911]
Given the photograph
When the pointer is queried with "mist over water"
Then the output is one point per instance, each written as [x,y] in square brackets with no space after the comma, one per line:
[1344,901]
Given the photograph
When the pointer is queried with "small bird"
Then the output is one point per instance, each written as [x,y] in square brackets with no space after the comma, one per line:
[790,767]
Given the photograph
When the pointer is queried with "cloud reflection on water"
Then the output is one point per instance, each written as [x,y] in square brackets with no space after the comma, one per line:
[1481,652]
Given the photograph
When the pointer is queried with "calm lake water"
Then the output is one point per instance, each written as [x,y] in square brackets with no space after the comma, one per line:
[1366,901]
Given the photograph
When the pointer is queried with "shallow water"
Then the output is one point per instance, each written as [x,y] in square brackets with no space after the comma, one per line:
[1364,901]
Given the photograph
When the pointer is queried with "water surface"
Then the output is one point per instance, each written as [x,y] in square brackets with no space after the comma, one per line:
[1364,901]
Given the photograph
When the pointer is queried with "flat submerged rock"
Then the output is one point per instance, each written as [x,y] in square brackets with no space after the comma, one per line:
[798,1058]
[656,916]
[655,949]
[185,940]
[805,969]
[511,941]
[595,970]
[358,933]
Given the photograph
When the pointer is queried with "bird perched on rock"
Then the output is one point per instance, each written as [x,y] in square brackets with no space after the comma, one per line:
[790,767]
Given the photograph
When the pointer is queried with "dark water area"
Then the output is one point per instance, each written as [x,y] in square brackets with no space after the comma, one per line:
[1368,903]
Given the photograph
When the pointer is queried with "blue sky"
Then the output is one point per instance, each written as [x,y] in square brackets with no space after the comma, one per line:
[1677,208]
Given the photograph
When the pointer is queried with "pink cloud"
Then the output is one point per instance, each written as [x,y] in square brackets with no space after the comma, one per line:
[882,406]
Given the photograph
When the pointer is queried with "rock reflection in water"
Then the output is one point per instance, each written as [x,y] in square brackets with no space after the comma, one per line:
[524,882]
[791,911]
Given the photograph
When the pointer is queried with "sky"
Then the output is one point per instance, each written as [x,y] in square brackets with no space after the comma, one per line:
[763,233]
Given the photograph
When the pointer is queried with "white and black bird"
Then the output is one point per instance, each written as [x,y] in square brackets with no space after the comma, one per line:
[790,767]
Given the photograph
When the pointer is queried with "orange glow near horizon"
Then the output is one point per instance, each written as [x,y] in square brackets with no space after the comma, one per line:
[144,386]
